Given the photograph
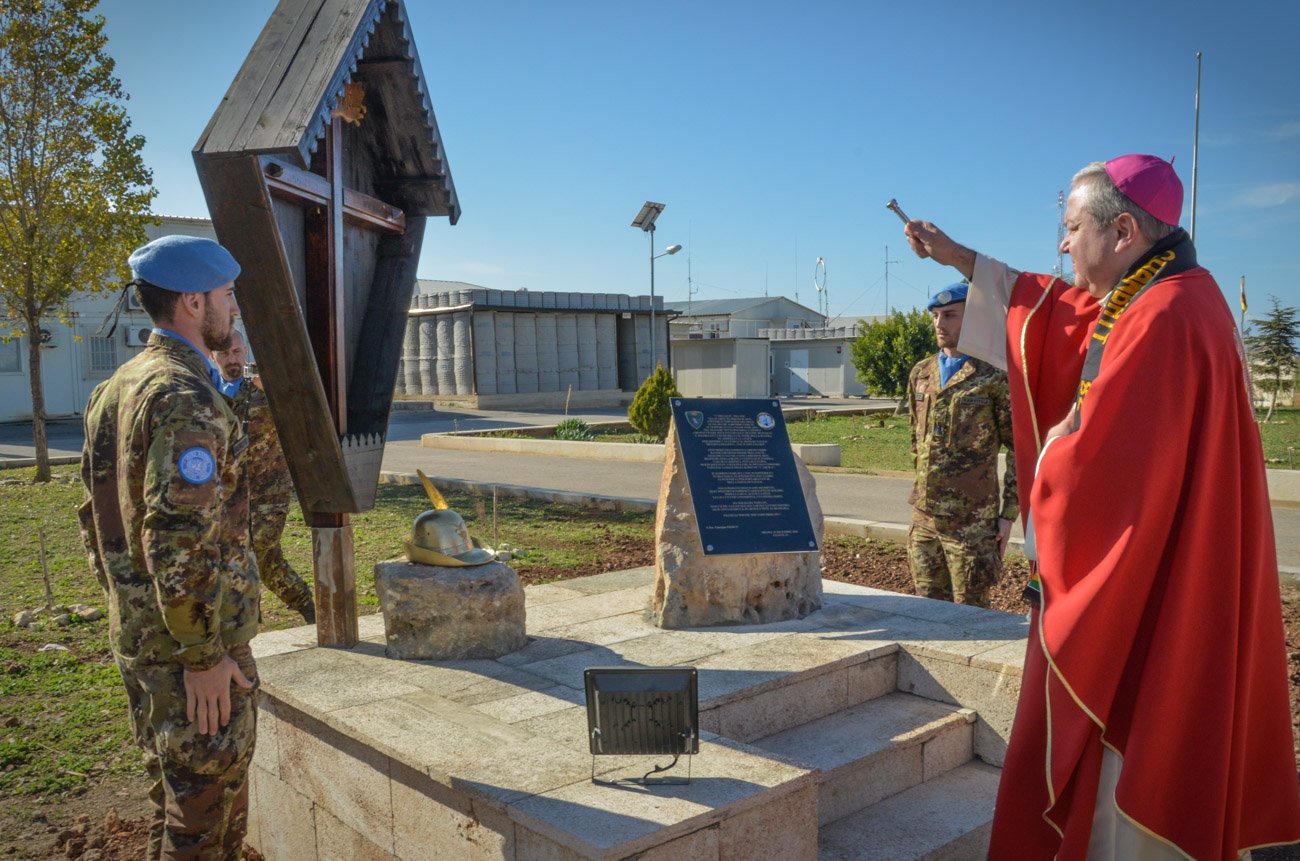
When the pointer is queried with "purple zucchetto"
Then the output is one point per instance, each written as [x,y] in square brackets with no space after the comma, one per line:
[1151,183]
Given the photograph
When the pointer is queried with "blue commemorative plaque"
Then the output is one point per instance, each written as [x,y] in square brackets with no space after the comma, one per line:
[742,477]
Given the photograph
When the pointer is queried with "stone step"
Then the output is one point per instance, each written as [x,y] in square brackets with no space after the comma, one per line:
[876,749]
[945,819]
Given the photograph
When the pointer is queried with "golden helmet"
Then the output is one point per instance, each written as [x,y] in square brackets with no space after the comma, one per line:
[440,537]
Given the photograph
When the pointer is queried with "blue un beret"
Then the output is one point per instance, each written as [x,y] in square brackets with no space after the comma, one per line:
[949,295]
[184,264]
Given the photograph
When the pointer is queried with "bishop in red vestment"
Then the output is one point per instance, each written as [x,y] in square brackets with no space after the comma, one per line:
[1154,715]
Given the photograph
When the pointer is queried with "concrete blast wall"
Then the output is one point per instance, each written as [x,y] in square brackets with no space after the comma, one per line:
[497,350]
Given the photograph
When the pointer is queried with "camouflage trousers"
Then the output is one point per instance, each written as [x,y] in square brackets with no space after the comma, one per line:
[954,559]
[273,569]
[200,782]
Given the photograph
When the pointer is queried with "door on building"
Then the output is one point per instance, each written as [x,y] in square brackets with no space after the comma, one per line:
[798,372]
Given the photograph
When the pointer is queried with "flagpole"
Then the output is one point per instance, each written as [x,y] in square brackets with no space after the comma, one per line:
[1196,139]
[1245,354]
[1243,306]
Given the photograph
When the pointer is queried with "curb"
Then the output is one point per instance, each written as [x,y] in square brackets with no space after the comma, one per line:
[23,462]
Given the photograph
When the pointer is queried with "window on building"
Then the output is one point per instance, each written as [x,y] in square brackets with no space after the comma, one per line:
[103,355]
[11,356]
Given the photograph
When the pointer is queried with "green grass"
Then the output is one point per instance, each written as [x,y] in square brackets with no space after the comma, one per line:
[626,436]
[1281,437]
[68,716]
[879,442]
[505,434]
[63,718]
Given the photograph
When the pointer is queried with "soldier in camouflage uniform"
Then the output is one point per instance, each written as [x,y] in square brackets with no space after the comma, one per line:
[270,487]
[165,523]
[960,410]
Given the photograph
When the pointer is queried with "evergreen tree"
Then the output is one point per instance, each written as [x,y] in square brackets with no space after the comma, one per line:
[651,411]
[74,190]
[1272,346]
[887,349]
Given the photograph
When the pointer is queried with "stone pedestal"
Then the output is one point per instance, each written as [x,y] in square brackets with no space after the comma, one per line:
[693,590]
[446,614]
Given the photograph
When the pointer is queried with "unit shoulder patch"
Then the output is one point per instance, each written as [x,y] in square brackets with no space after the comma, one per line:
[196,465]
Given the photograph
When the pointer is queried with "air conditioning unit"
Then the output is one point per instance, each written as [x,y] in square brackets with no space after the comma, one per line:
[138,336]
[713,334]
[132,302]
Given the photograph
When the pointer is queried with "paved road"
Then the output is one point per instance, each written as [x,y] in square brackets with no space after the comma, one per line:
[841,495]
[64,437]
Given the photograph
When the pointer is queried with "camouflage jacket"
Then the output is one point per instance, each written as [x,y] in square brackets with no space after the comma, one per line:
[165,520]
[269,481]
[957,431]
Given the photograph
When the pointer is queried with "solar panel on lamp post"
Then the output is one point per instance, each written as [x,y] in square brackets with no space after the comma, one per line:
[645,219]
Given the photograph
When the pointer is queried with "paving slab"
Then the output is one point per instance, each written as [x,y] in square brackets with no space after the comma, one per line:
[586,607]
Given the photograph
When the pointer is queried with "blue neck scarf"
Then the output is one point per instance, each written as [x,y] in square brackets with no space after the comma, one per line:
[949,366]
[227,388]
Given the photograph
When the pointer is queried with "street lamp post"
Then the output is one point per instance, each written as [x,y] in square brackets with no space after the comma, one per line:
[654,345]
[645,219]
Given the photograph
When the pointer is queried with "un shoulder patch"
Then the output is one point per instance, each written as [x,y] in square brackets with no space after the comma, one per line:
[197,465]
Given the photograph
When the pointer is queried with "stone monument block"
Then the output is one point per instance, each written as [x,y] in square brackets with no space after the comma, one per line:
[692,590]
[438,613]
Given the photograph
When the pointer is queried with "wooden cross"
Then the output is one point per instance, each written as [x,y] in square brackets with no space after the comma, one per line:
[327,204]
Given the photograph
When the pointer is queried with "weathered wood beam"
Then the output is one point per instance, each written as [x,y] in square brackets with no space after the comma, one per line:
[334,573]
[385,66]
[338,327]
[302,186]
[324,288]
[245,223]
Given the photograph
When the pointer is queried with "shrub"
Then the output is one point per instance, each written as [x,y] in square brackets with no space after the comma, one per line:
[573,429]
[886,351]
[651,409]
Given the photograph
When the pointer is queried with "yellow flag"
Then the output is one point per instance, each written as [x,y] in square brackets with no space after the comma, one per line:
[1243,294]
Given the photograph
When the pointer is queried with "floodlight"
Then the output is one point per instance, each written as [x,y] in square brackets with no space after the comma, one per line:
[645,219]
[643,711]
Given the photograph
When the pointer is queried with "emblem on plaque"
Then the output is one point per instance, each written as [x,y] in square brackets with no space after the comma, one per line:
[695,418]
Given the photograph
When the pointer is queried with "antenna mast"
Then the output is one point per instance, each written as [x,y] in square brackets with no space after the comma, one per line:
[1060,233]
[1196,140]
[690,284]
[887,262]
[823,298]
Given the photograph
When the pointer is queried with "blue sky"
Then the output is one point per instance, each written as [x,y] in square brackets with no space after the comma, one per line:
[775,133]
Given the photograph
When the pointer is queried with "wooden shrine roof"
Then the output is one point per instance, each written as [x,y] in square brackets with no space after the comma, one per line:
[281,99]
